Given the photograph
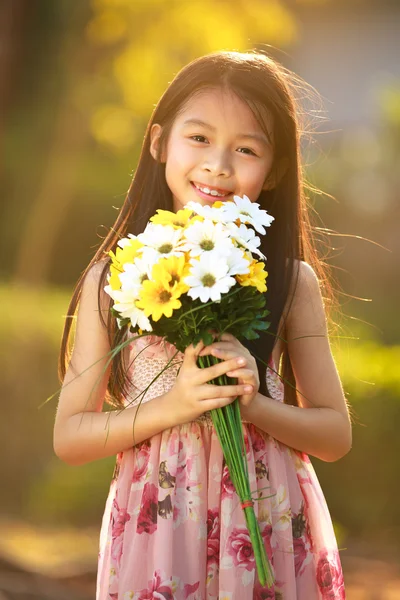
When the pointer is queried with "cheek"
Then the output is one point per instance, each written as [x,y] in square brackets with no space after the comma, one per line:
[180,158]
[253,177]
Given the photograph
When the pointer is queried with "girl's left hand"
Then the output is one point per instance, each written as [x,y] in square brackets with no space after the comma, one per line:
[229,347]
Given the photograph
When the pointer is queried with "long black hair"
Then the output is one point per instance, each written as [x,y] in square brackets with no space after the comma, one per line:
[268,89]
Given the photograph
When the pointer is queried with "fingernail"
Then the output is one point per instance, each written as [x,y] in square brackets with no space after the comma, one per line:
[248,388]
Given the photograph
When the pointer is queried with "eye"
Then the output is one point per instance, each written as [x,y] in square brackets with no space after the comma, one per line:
[197,136]
[250,151]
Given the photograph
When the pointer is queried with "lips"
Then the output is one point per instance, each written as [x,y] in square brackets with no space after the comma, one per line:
[211,187]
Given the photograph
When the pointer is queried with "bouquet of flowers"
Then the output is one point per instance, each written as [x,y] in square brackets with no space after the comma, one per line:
[190,273]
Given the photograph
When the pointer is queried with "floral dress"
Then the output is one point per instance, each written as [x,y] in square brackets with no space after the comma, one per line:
[173,528]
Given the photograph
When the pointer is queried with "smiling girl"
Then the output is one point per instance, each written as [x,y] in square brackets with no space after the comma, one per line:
[172,528]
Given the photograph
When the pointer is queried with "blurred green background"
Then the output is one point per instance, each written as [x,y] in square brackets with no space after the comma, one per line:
[79,80]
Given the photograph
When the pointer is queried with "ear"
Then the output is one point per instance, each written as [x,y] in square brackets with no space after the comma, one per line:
[155,133]
[276,174]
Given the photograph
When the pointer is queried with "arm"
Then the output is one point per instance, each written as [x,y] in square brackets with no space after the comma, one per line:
[321,425]
[88,436]
[82,433]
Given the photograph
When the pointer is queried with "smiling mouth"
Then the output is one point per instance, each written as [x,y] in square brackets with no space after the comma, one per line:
[211,192]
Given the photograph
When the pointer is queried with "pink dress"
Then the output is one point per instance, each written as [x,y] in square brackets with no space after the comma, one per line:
[173,528]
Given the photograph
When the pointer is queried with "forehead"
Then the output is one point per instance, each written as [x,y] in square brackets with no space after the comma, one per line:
[221,108]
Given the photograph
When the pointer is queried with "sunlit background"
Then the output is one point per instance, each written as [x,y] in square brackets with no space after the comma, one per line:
[79,80]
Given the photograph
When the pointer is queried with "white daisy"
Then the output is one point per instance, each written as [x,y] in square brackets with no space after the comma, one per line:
[247,212]
[206,236]
[160,241]
[246,238]
[207,212]
[209,277]
[126,241]
[125,304]
[238,263]
[108,289]
[134,273]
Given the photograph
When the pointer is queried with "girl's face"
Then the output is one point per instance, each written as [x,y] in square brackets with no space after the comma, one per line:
[217,144]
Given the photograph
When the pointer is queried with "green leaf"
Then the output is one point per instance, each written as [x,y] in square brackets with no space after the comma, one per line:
[207,338]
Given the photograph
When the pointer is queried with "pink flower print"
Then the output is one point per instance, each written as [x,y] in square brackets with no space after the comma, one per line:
[142,455]
[300,554]
[227,486]
[117,466]
[157,590]
[188,590]
[258,441]
[262,592]
[147,518]
[267,593]
[118,522]
[153,346]
[119,517]
[116,549]
[261,470]
[213,533]
[330,576]
[266,534]
[302,482]
[240,548]
[246,442]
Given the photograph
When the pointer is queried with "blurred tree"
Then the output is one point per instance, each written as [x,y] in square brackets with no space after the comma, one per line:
[130,52]
[13,21]
[150,41]
[57,184]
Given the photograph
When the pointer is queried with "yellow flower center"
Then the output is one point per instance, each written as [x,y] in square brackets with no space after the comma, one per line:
[164,297]
[208,280]
[179,223]
[165,249]
[174,279]
[207,245]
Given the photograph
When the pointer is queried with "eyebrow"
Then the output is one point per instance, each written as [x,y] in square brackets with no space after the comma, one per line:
[259,137]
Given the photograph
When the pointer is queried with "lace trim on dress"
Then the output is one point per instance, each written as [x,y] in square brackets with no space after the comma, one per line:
[149,355]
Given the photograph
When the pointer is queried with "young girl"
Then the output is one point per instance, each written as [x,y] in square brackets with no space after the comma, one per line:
[173,527]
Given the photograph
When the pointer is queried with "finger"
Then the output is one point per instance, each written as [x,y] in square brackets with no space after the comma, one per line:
[228,337]
[192,352]
[225,352]
[214,392]
[214,403]
[218,347]
[243,374]
[220,368]
[245,400]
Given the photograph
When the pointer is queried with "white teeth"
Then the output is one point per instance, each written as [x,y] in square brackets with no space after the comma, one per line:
[206,190]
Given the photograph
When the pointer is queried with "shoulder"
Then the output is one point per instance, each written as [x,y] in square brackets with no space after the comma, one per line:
[93,299]
[307,280]
[305,303]
[94,273]
[95,276]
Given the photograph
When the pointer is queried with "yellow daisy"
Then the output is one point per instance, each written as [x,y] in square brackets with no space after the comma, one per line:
[256,277]
[122,255]
[218,204]
[158,298]
[177,220]
[175,268]
[115,270]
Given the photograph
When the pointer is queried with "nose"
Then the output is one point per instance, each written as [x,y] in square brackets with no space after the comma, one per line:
[218,164]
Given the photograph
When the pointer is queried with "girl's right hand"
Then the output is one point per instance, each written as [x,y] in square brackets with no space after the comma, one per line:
[191,395]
